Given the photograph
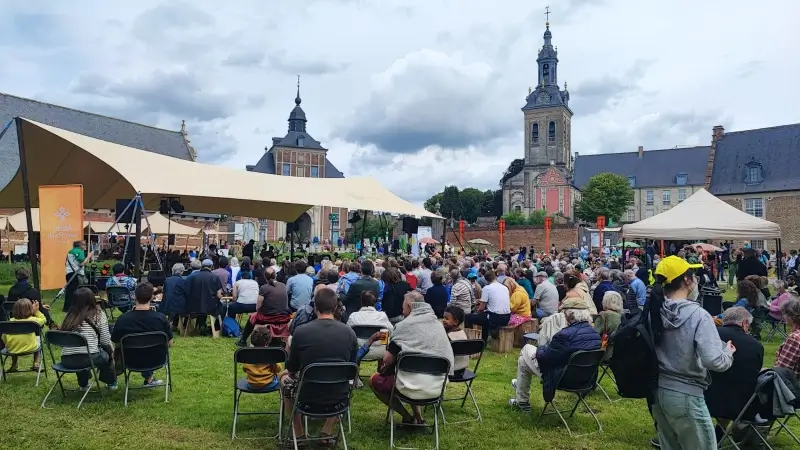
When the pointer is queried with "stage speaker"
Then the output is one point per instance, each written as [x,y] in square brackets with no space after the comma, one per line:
[171,239]
[123,203]
[164,207]
[290,228]
[410,225]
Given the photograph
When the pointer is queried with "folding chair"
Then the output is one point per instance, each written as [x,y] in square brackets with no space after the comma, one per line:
[436,367]
[153,347]
[580,378]
[68,339]
[466,348]
[17,328]
[118,297]
[255,355]
[765,383]
[8,307]
[774,328]
[364,332]
[91,287]
[324,376]
[606,372]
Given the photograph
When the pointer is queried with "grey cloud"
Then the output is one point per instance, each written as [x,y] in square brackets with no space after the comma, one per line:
[213,141]
[245,59]
[427,99]
[282,62]
[596,94]
[33,29]
[169,16]
[179,94]
[749,68]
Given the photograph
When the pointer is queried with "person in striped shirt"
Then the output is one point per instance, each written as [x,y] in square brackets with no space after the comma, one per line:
[86,318]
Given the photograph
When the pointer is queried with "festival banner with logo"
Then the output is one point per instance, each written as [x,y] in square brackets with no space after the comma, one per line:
[61,224]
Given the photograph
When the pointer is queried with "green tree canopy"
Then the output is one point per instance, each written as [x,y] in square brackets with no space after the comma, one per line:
[376,228]
[467,204]
[606,194]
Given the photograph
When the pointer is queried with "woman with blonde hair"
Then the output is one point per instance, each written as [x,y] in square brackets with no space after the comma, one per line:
[520,303]
[578,289]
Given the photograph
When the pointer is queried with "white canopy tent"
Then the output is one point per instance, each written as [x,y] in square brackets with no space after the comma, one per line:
[110,171]
[162,225]
[702,216]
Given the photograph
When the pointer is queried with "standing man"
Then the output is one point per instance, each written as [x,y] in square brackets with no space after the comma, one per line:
[76,275]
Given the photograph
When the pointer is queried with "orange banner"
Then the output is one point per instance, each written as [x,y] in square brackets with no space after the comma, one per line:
[61,224]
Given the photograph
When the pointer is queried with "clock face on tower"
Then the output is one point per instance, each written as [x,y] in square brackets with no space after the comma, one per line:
[543,99]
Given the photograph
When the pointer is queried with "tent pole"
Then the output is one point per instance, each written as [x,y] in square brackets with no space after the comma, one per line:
[363,231]
[33,250]
[778,258]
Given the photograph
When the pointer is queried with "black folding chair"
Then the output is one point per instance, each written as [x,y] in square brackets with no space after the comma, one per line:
[466,348]
[153,347]
[364,332]
[255,355]
[23,327]
[605,371]
[745,421]
[775,327]
[68,339]
[435,366]
[324,376]
[8,307]
[580,378]
[118,297]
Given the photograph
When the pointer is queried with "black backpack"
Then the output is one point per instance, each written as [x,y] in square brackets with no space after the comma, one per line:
[634,361]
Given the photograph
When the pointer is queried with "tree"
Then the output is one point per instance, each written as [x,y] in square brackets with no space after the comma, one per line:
[467,204]
[536,218]
[515,218]
[606,194]
[376,228]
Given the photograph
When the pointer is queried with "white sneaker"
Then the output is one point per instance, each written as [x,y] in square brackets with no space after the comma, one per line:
[525,407]
[154,383]
[514,383]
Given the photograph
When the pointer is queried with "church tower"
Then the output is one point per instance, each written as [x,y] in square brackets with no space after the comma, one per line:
[547,114]
[545,179]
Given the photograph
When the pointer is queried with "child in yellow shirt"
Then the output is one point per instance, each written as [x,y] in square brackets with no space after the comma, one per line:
[24,309]
[261,376]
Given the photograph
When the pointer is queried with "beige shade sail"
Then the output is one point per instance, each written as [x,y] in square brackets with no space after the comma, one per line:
[162,225]
[102,227]
[3,223]
[18,223]
[702,216]
[111,171]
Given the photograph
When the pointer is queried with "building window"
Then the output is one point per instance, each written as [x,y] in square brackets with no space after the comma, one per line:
[649,197]
[335,222]
[682,179]
[681,195]
[753,173]
[666,197]
[754,207]
[535,134]
[314,172]
[632,181]
[631,215]
[300,141]
[757,244]
[287,169]
[551,133]
[518,209]
[301,171]
[648,213]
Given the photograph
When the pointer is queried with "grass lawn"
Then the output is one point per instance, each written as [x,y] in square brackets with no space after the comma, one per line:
[199,414]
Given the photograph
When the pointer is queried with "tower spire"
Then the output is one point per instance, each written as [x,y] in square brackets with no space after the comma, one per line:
[297,98]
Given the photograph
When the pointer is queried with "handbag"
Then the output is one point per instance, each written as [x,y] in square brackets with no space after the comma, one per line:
[78,275]
[114,359]
[604,336]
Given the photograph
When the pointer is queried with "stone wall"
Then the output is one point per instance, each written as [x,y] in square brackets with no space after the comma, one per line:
[562,236]
[781,208]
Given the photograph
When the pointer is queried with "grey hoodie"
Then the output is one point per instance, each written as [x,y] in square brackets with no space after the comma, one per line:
[690,346]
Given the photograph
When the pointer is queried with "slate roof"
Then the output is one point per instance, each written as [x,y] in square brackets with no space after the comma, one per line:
[290,140]
[656,168]
[775,149]
[267,165]
[143,137]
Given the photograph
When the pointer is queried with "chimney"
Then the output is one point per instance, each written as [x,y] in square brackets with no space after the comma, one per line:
[641,151]
[716,134]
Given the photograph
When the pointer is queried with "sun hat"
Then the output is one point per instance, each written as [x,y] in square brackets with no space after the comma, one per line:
[672,267]
[574,303]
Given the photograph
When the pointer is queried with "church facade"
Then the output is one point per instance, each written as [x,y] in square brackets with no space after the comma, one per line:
[543,179]
[297,154]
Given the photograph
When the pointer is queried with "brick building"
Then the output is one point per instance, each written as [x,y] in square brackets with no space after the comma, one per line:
[297,154]
[756,171]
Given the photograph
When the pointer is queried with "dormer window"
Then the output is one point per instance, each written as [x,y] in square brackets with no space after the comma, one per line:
[632,181]
[300,141]
[682,179]
[753,173]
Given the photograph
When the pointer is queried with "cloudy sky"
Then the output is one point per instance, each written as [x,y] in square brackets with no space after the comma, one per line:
[420,94]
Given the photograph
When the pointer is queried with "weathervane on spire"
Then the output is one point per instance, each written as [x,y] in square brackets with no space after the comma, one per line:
[547,14]
[297,99]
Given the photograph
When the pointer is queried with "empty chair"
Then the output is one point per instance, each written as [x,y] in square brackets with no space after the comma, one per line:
[68,339]
[145,352]
[118,297]
[255,355]
[23,327]
[466,348]
[579,378]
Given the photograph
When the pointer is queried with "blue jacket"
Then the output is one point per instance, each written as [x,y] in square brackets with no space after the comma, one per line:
[600,291]
[173,300]
[553,357]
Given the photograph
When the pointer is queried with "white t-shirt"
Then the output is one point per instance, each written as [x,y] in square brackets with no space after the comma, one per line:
[248,292]
[496,297]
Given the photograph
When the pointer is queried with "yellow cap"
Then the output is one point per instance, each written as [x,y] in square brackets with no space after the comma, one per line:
[672,267]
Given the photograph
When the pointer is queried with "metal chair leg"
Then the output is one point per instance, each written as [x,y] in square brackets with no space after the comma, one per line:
[341,430]
[55,383]
[236,394]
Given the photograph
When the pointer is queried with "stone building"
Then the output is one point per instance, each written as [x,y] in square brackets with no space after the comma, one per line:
[544,180]
[297,154]
[756,171]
